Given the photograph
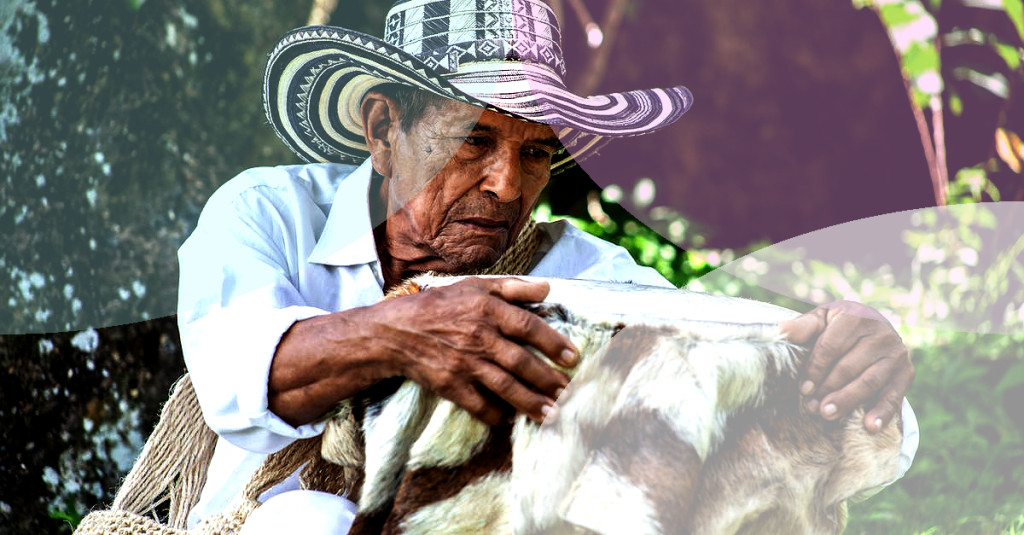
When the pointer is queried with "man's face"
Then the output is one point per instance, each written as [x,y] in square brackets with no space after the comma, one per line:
[462,183]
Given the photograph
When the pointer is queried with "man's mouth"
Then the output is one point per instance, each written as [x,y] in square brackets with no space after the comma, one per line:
[485,224]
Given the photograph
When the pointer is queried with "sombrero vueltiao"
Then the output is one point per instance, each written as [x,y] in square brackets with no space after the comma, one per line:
[503,55]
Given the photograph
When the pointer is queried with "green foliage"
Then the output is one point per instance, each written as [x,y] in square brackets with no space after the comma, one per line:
[69,515]
[649,248]
[968,476]
[616,225]
[897,14]
[971,184]
[962,281]
[118,119]
[1015,10]
[913,30]
[914,33]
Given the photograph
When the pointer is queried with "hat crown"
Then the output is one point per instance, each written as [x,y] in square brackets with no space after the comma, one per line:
[448,35]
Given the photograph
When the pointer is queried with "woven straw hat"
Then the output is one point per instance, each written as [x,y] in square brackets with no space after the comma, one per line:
[503,55]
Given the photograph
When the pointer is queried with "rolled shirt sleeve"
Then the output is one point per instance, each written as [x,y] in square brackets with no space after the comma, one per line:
[230,351]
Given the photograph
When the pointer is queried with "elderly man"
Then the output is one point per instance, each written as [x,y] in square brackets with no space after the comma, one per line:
[433,146]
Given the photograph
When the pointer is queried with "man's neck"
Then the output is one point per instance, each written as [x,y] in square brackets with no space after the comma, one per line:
[395,266]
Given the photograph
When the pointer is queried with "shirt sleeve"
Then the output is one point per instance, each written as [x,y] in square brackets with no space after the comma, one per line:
[235,302]
[911,439]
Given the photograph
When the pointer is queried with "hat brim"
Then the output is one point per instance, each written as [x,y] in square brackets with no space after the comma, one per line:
[316,78]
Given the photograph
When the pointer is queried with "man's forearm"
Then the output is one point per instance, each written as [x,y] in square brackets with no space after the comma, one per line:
[323,360]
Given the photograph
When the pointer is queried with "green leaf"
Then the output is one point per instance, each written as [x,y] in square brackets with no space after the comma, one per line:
[1010,54]
[896,15]
[956,104]
[72,517]
[920,58]
[1015,10]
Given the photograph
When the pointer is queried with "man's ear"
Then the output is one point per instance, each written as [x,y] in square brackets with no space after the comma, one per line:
[380,115]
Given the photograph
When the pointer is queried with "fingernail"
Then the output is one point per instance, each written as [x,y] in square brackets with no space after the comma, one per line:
[878,424]
[562,394]
[806,388]
[550,413]
[829,410]
[811,406]
[570,357]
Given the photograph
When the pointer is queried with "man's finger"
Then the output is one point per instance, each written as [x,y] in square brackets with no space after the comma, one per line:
[526,327]
[804,327]
[475,404]
[509,388]
[868,384]
[530,369]
[830,346]
[889,402]
[854,364]
[519,291]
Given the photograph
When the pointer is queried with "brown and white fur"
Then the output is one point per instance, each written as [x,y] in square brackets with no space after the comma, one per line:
[672,426]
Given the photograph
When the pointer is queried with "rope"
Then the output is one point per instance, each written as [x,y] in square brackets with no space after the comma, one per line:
[518,259]
[170,470]
[172,465]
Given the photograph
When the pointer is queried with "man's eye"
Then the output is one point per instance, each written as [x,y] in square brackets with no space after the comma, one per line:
[537,153]
[476,141]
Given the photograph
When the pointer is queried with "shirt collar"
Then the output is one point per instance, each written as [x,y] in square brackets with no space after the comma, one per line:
[347,238]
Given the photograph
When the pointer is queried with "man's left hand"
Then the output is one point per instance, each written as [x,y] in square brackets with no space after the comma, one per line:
[857,358]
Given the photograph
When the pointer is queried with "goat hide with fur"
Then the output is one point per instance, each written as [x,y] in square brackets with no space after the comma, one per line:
[684,417]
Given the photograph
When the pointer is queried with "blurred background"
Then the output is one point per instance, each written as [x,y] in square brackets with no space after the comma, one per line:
[119,118]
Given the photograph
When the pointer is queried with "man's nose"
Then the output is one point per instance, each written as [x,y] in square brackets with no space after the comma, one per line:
[503,176]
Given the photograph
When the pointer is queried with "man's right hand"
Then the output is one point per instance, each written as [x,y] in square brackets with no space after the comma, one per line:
[460,341]
[463,343]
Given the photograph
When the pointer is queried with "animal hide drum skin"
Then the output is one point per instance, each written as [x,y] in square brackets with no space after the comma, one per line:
[684,417]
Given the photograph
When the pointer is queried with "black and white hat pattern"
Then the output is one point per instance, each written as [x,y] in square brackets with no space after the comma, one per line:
[503,55]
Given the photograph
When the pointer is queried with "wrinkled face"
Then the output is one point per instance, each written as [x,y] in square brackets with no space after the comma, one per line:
[462,183]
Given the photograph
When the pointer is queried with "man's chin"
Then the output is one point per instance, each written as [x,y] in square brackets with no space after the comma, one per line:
[472,259]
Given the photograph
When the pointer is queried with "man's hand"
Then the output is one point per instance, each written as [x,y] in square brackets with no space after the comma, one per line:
[459,341]
[462,342]
[857,358]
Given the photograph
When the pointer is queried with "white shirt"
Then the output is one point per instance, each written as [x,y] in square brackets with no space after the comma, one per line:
[277,245]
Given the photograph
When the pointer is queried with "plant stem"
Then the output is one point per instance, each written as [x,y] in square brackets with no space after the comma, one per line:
[939,136]
[933,141]
[926,143]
